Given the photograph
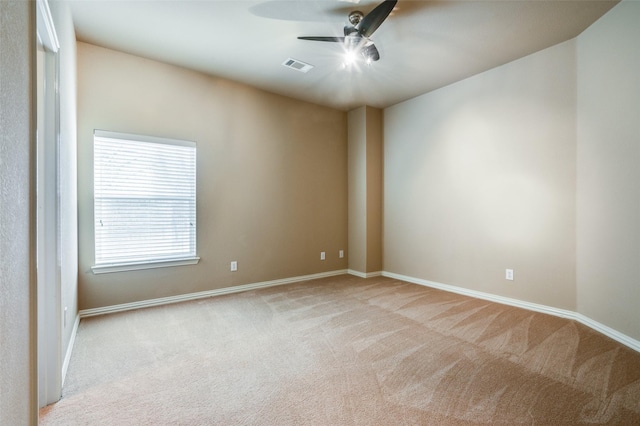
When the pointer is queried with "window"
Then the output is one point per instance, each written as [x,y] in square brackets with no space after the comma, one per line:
[144,202]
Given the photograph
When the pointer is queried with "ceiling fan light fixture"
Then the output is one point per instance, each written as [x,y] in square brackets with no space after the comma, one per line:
[350,57]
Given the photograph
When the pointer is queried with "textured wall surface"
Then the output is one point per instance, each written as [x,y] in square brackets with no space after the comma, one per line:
[17,312]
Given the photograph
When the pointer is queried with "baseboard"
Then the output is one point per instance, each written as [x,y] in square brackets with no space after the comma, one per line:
[203,294]
[364,274]
[601,328]
[607,331]
[67,355]
[486,296]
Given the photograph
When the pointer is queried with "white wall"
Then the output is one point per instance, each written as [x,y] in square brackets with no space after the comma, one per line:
[68,169]
[479,176]
[18,397]
[608,158]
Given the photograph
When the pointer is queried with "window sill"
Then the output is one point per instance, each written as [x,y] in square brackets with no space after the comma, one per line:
[136,266]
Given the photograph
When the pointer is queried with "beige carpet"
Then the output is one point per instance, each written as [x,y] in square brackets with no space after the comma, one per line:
[344,351]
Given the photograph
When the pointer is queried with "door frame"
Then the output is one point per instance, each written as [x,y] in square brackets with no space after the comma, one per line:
[49,311]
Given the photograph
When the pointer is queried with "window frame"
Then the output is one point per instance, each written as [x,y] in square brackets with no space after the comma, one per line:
[122,266]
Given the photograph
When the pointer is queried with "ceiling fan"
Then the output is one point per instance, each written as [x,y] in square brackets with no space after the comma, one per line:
[356,36]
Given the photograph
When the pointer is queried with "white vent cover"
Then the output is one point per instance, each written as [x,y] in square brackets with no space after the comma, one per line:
[297,65]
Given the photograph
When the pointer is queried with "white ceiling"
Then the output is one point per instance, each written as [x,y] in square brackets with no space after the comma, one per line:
[423,45]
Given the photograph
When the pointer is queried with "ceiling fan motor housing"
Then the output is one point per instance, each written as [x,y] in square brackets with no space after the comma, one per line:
[355,17]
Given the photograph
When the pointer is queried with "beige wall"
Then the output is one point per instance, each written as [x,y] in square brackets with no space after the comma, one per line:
[608,249]
[357,177]
[272,175]
[365,190]
[18,389]
[480,176]
[374,189]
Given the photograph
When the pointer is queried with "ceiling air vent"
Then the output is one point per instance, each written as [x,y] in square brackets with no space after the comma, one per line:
[297,65]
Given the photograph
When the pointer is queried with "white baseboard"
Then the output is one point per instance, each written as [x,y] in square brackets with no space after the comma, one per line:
[607,331]
[364,274]
[67,355]
[203,294]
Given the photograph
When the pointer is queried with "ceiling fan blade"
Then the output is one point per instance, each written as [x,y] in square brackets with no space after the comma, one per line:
[334,39]
[370,53]
[376,17]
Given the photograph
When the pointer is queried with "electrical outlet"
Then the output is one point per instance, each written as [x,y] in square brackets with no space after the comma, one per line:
[234,266]
[323,256]
[509,274]
[341,254]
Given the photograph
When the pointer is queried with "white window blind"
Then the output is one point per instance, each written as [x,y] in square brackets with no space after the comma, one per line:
[144,201]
